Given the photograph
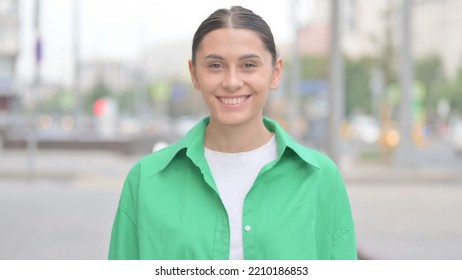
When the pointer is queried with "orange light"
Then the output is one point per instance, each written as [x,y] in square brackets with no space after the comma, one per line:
[392,138]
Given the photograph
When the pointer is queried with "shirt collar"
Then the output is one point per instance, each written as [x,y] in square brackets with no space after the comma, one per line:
[285,141]
[193,143]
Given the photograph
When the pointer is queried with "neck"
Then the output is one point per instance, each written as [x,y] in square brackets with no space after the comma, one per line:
[236,138]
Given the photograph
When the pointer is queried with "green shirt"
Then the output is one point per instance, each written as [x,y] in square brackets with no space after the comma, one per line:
[170,207]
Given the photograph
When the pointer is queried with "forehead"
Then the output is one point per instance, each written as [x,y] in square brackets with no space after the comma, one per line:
[232,41]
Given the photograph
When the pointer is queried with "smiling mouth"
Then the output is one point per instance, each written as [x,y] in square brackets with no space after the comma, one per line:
[233,100]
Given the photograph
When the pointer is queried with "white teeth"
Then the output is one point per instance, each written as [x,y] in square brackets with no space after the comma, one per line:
[232,101]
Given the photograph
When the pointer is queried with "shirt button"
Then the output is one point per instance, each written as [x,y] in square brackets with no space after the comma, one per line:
[247,228]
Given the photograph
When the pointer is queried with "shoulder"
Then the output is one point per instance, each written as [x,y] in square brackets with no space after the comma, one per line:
[322,166]
[157,160]
[145,169]
[323,161]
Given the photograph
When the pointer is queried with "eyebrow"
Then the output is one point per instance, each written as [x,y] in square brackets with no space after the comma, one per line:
[242,57]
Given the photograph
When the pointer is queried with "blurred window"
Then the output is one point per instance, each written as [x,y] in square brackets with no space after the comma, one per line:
[7,37]
[8,7]
[352,15]
[6,67]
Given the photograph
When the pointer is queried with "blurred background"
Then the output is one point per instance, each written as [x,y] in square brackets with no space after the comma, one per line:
[89,87]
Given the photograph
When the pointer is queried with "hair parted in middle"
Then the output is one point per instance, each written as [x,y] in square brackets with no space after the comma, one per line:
[237,18]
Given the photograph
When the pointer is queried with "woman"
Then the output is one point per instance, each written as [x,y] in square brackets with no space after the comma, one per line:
[237,186]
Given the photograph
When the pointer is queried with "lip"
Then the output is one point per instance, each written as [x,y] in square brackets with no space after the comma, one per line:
[233,101]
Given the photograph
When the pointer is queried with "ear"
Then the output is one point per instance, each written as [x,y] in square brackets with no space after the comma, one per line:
[277,74]
[192,72]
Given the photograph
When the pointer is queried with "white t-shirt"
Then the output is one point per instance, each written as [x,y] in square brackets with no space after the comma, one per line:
[234,175]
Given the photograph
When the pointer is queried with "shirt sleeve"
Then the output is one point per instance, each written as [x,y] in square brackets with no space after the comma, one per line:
[124,237]
[344,238]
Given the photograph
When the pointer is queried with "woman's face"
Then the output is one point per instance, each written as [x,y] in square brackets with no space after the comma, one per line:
[234,73]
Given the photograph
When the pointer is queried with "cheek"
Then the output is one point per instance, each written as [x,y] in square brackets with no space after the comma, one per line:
[207,82]
[266,78]
[207,96]
[262,82]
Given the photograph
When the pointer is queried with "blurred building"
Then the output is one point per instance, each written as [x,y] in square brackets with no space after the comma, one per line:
[437,28]
[373,27]
[364,26]
[116,76]
[167,61]
[9,49]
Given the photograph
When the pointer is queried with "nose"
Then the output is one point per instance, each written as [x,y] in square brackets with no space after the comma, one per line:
[232,81]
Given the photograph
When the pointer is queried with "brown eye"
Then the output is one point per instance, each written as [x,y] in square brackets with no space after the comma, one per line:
[249,65]
[215,66]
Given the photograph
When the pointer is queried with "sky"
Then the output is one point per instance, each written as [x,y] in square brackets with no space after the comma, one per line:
[120,29]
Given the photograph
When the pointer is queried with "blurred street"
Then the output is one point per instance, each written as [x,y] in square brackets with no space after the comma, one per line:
[408,213]
[66,210]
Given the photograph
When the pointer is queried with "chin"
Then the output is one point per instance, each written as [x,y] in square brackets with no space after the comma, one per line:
[232,120]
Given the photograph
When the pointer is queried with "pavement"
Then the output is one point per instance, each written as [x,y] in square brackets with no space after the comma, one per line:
[61,204]
[406,213]
[62,210]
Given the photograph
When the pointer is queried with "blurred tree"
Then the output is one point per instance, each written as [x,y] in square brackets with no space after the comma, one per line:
[100,90]
[314,67]
[357,72]
[429,71]
[127,102]
[453,92]
[60,102]
[357,93]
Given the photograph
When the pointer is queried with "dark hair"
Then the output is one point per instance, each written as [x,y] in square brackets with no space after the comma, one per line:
[238,18]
